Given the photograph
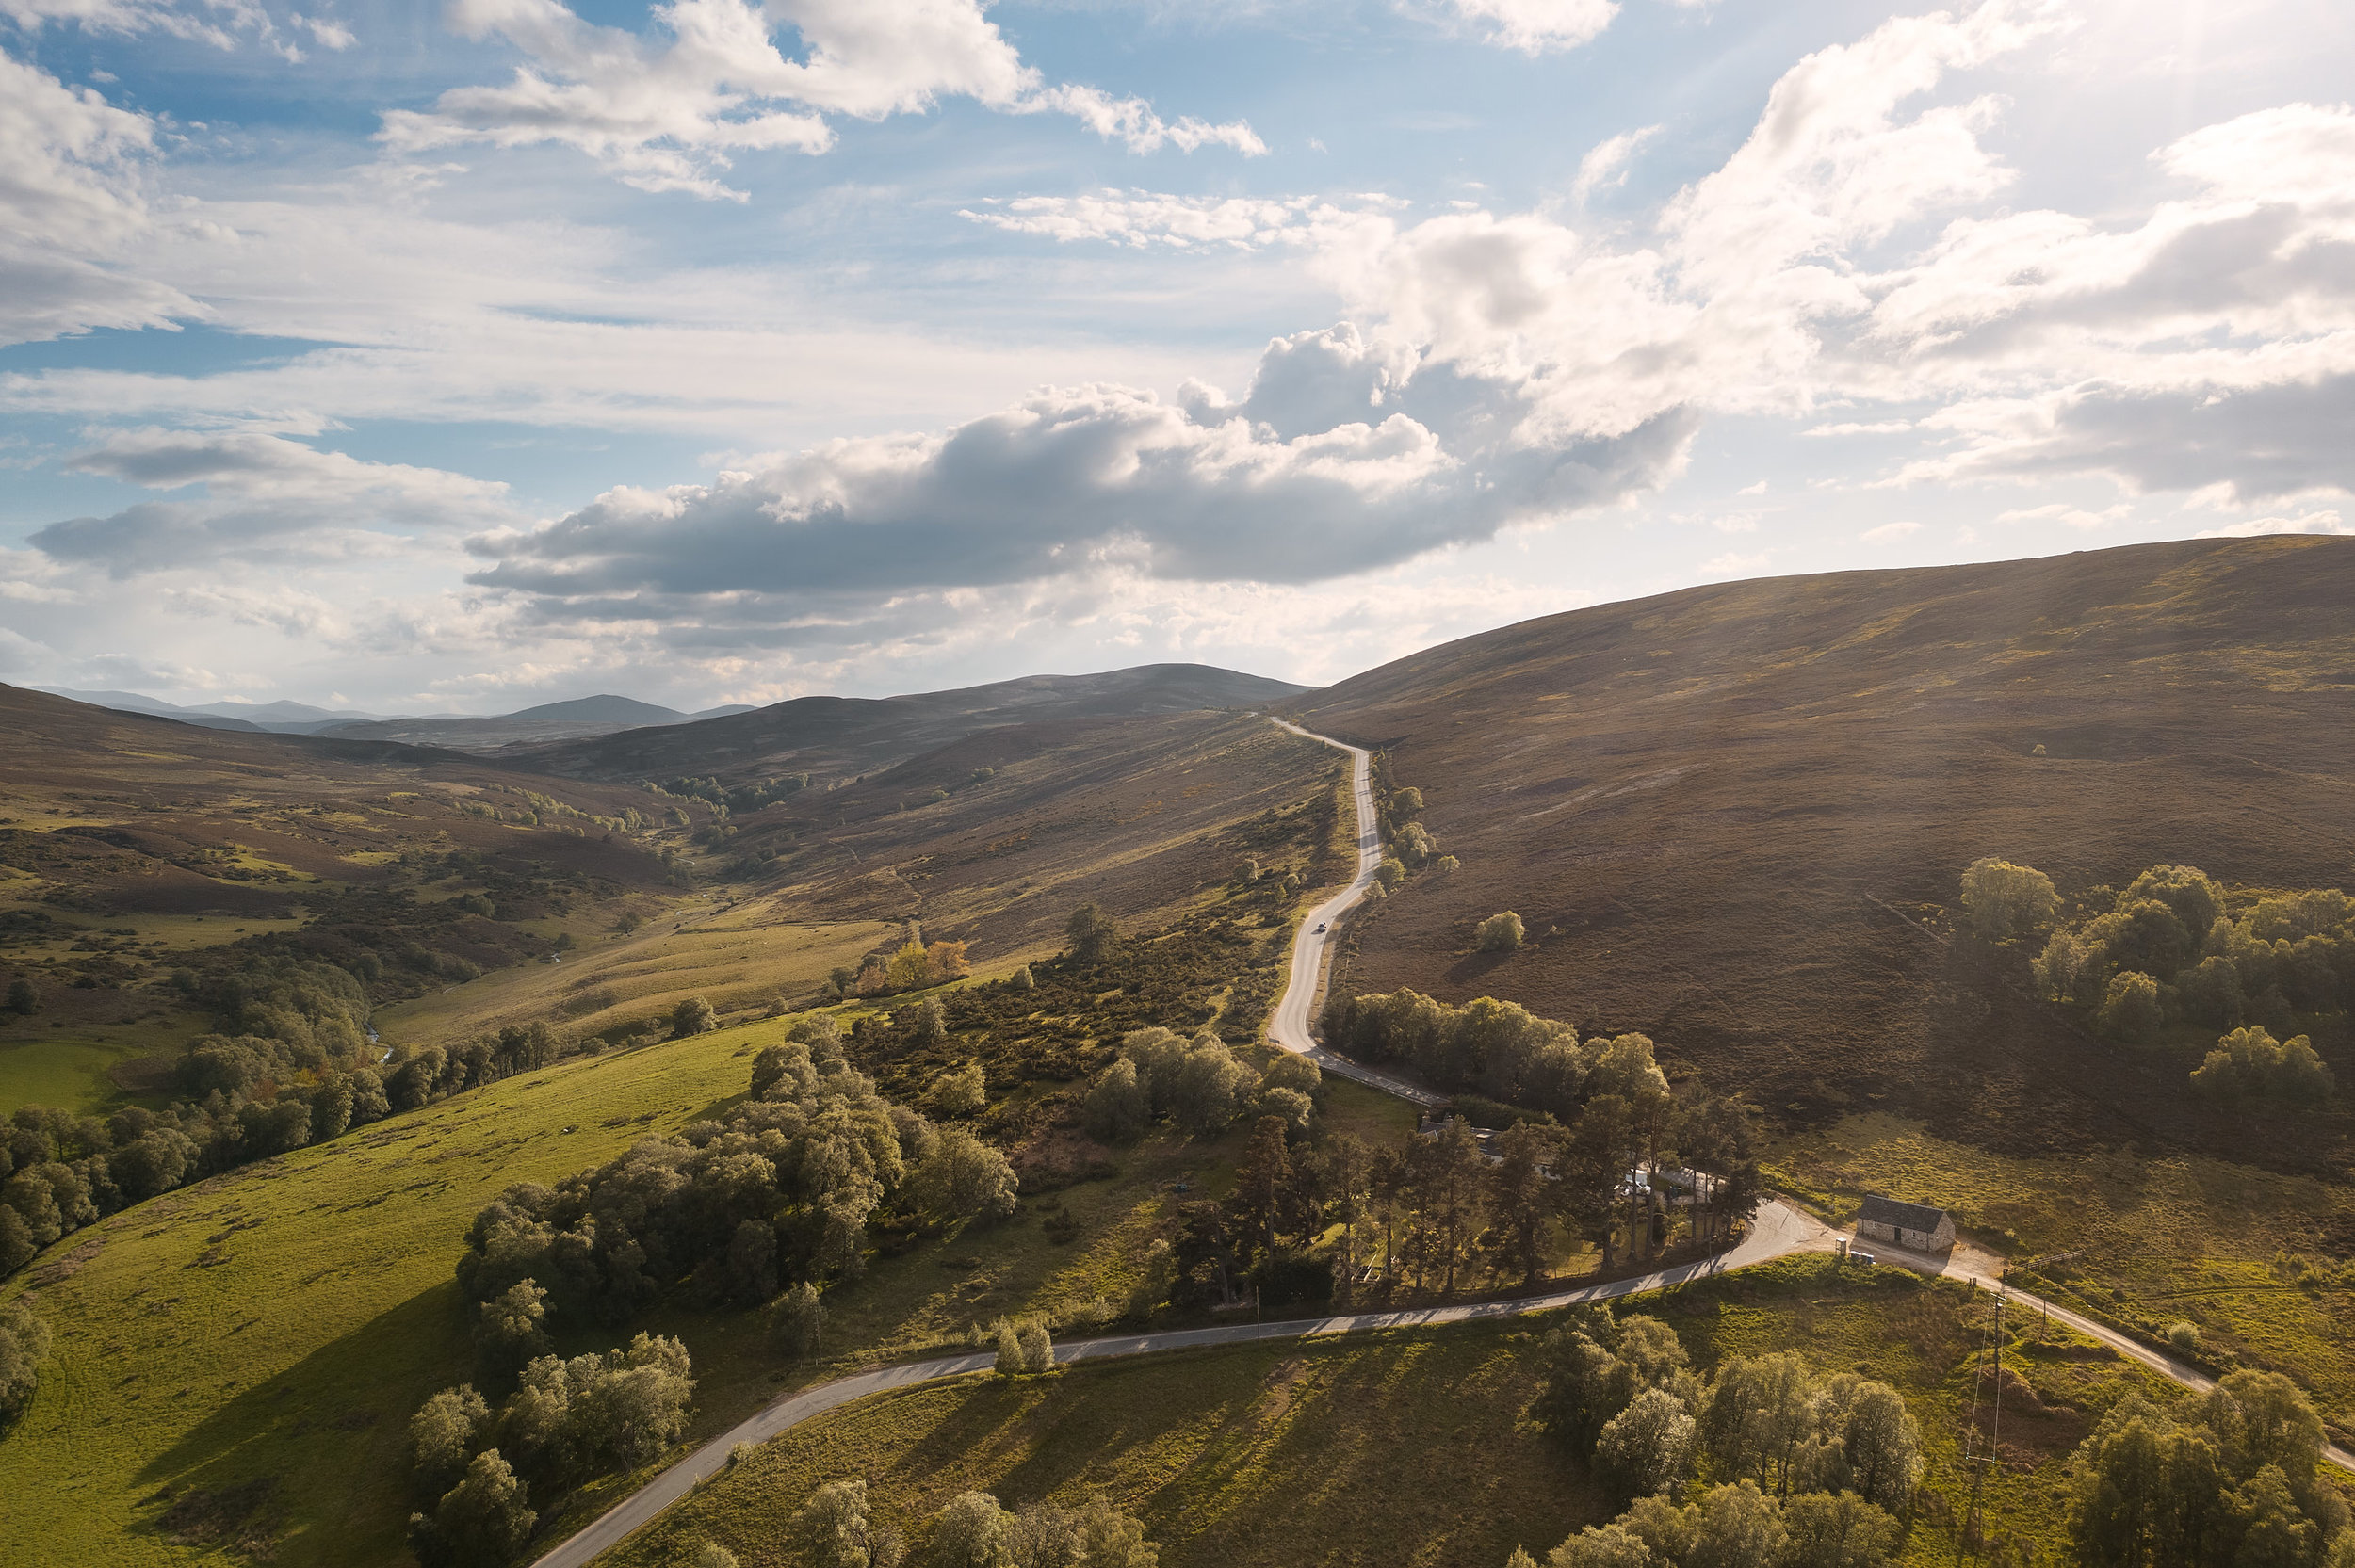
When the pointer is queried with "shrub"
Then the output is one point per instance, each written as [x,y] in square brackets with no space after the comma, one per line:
[964,1092]
[964,1178]
[1022,979]
[483,1521]
[2185,1337]
[693,1016]
[2249,1063]
[1389,873]
[1499,933]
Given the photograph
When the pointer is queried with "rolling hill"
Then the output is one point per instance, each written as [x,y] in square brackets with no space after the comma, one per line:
[832,738]
[1734,816]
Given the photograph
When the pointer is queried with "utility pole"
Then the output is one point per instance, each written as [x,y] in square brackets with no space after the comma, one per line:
[1982,1459]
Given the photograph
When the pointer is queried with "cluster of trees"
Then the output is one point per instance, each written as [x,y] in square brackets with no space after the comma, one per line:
[726,797]
[917,963]
[778,1191]
[2168,948]
[1803,1470]
[836,1528]
[2226,1481]
[1439,1214]
[1497,1049]
[1198,1084]
[564,1421]
[259,1095]
[24,1345]
[2250,1064]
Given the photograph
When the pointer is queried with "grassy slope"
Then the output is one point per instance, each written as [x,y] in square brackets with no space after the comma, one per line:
[1694,800]
[2178,1238]
[298,1349]
[1409,1448]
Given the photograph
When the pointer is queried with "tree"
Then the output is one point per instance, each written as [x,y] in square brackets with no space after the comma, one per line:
[2130,1009]
[1758,1413]
[22,999]
[442,1434]
[481,1522]
[833,1528]
[800,1322]
[932,1023]
[973,1532]
[1519,1197]
[946,960]
[907,968]
[1499,933]
[2005,901]
[1117,1108]
[1263,1182]
[1647,1447]
[1836,1530]
[1595,1546]
[510,1334]
[2248,1064]
[1093,936]
[1022,979]
[1389,873]
[1210,1087]
[965,1178]
[693,1016]
[963,1093]
[1881,1443]
[1450,1197]
[24,1345]
[1038,1347]
[1738,1526]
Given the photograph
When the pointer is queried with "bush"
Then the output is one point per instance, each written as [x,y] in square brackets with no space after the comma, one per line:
[1499,933]
[1022,979]
[964,1178]
[2185,1337]
[481,1522]
[2251,1064]
[964,1092]
[694,1016]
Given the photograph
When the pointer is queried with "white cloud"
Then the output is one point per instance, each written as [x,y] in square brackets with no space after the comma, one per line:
[2308,523]
[267,498]
[71,206]
[2062,512]
[1142,218]
[1889,533]
[1538,26]
[664,113]
[1607,167]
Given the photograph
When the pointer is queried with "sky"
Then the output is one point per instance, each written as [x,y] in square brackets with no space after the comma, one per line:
[408,359]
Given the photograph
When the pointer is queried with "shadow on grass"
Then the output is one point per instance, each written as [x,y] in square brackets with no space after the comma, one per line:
[328,1433]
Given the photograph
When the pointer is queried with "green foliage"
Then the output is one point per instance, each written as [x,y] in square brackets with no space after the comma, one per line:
[1119,1104]
[2229,1481]
[964,1178]
[805,1163]
[24,1345]
[2130,1009]
[1389,873]
[481,1523]
[509,1332]
[1499,1049]
[962,1093]
[692,1017]
[1093,936]
[800,1320]
[2250,1064]
[1499,933]
[2005,901]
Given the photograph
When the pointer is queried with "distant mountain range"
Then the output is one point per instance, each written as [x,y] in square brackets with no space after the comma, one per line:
[550,721]
[618,737]
[841,737]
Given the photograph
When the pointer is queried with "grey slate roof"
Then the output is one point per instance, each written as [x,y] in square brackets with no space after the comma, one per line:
[1905,1216]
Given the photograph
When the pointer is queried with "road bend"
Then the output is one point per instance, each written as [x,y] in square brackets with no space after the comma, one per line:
[1778,1230]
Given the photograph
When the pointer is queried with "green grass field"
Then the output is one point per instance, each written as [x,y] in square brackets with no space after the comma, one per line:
[1407,1448]
[2183,1238]
[280,1322]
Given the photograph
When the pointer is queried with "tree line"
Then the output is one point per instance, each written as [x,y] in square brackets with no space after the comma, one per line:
[291,1066]
[2168,949]
[836,1528]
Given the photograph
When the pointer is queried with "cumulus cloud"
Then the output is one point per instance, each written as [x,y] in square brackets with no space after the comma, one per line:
[1538,26]
[2306,522]
[1890,533]
[267,498]
[1333,463]
[662,111]
[70,208]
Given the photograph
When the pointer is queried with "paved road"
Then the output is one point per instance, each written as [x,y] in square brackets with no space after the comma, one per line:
[1289,1029]
[1778,1229]
[1963,1264]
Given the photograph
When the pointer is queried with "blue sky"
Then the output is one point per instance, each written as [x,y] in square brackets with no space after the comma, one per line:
[464,359]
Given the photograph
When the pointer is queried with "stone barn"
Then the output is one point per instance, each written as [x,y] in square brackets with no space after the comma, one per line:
[1915,1226]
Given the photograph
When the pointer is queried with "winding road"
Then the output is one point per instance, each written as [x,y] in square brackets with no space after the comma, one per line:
[1777,1230]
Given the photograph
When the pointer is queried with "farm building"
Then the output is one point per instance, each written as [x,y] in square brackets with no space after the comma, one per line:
[1914,1225]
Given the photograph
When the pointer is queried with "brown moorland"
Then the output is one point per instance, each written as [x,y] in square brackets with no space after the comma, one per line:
[1734,816]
